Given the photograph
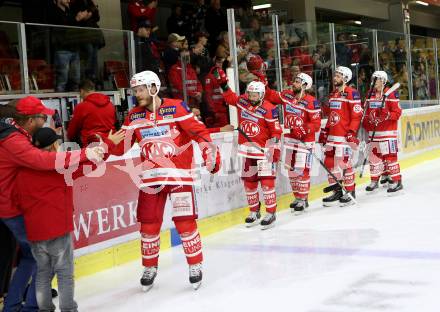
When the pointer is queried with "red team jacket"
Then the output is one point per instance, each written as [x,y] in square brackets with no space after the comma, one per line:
[387,129]
[345,114]
[95,115]
[305,112]
[260,123]
[165,140]
[192,83]
[17,151]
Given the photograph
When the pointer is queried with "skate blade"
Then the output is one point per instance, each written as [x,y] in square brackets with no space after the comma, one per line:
[267,227]
[147,288]
[372,192]
[395,194]
[196,285]
[351,203]
[249,225]
[298,213]
[332,204]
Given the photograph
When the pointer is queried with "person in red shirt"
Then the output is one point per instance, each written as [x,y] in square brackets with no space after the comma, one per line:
[214,98]
[258,145]
[302,116]
[19,119]
[141,10]
[383,122]
[339,137]
[95,115]
[165,129]
[192,84]
[48,217]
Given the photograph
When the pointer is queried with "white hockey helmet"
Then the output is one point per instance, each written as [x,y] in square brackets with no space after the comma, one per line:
[380,74]
[345,72]
[306,80]
[147,78]
[257,87]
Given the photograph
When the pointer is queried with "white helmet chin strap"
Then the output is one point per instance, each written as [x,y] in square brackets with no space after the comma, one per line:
[153,95]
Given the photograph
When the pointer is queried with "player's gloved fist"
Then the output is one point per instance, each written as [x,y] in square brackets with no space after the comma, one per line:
[299,132]
[211,156]
[221,77]
[351,137]
[323,136]
[261,77]
[383,115]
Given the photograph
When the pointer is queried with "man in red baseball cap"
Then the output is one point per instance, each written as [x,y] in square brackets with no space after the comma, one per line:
[19,120]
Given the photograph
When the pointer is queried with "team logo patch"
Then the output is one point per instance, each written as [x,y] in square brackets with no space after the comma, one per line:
[303,103]
[246,115]
[316,104]
[185,106]
[334,118]
[357,108]
[335,105]
[252,129]
[356,95]
[159,149]
[375,104]
[136,116]
[293,110]
[275,112]
[170,110]
[261,110]
[157,132]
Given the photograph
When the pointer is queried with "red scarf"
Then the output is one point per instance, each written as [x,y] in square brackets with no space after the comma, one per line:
[13,123]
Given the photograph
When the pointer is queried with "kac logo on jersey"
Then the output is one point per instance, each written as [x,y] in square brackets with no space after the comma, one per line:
[246,115]
[292,121]
[156,132]
[252,129]
[334,118]
[159,149]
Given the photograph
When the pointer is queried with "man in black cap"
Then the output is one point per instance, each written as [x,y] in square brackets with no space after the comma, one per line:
[147,54]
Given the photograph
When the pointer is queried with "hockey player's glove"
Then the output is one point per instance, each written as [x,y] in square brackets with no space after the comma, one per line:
[221,78]
[323,136]
[299,132]
[211,156]
[351,137]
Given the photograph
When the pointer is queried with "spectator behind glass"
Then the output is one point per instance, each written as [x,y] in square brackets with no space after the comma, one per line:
[146,52]
[176,21]
[65,44]
[215,23]
[399,54]
[95,115]
[222,50]
[202,39]
[343,53]
[92,40]
[200,14]
[322,70]
[172,52]
[141,10]
[200,62]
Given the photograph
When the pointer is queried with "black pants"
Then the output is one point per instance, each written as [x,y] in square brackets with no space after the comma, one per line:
[7,255]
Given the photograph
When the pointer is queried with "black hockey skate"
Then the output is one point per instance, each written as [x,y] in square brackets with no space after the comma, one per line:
[333,187]
[346,200]
[148,277]
[195,275]
[385,180]
[300,206]
[253,217]
[333,199]
[372,187]
[268,221]
[295,203]
[394,188]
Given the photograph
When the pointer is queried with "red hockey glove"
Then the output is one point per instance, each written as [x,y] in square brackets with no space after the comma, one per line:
[211,156]
[323,136]
[383,114]
[299,132]
[351,137]
[221,78]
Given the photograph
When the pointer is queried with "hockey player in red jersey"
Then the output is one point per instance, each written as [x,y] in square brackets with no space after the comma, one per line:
[258,145]
[383,122]
[339,137]
[302,116]
[164,129]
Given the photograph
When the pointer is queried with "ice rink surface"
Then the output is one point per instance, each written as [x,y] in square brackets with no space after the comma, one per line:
[381,255]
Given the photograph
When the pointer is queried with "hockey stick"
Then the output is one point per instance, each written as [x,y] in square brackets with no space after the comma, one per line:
[373,83]
[385,96]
